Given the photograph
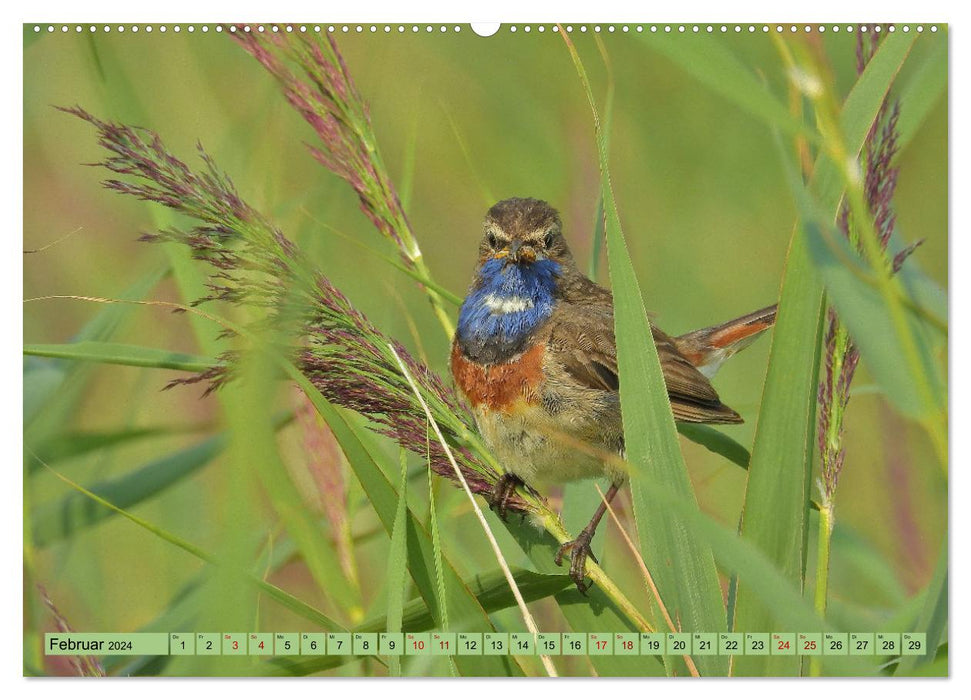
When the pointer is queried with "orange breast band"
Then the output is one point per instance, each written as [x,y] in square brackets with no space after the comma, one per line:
[500,386]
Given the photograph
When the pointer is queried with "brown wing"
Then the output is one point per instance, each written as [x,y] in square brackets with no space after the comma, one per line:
[693,399]
[582,337]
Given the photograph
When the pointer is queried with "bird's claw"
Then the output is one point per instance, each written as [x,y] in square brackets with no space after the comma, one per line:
[579,550]
[503,491]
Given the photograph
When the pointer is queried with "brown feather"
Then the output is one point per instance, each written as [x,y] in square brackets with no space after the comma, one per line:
[582,340]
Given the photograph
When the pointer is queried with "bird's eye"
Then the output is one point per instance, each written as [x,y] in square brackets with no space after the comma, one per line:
[492,240]
[549,239]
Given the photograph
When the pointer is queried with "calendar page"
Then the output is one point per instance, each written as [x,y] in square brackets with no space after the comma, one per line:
[485,350]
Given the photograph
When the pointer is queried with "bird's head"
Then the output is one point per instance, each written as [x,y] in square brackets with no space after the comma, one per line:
[523,231]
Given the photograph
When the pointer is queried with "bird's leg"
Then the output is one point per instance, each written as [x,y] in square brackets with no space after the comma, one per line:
[503,491]
[580,547]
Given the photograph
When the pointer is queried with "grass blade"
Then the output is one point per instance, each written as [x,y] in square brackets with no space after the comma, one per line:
[77,511]
[593,612]
[923,89]
[599,232]
[437,554]
[70,445]
[123,102]
[121,354]
[684,568]
[782,597]
[437,557]
[717,442]
[52,412]
[648,579]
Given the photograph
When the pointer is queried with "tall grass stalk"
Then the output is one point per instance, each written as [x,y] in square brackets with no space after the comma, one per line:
[867,190]
[327,98]
[867,220]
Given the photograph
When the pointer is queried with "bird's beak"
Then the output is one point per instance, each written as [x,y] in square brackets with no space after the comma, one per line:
[520,253]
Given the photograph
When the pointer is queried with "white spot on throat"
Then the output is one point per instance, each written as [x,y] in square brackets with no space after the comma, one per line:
[506,305]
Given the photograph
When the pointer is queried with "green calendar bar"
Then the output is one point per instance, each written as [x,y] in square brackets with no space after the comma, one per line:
[260,644]
[835,644]
[208,644]
[435,643]
[574,644]
[757,643]
[522,643]
[913,643]
[887,643]
[782,644]
[861,643]
[810,643]
[106,644]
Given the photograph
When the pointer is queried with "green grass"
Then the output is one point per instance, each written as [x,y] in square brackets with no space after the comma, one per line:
[683,186]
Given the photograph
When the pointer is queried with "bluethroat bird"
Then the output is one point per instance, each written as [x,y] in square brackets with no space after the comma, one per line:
[535,356]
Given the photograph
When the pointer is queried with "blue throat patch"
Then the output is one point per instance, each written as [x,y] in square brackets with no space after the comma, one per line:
[507,304]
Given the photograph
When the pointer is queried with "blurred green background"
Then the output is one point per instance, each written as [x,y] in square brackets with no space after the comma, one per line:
[462,121]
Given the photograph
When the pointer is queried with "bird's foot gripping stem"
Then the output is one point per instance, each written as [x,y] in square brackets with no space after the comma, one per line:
[579,550]
[580,547]
[503,491]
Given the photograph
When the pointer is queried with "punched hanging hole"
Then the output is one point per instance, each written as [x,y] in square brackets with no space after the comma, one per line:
[485,28]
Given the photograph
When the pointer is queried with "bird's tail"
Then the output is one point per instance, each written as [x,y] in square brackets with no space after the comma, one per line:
[709,347]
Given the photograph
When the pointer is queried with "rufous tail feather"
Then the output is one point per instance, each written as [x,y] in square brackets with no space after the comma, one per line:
[708,348]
